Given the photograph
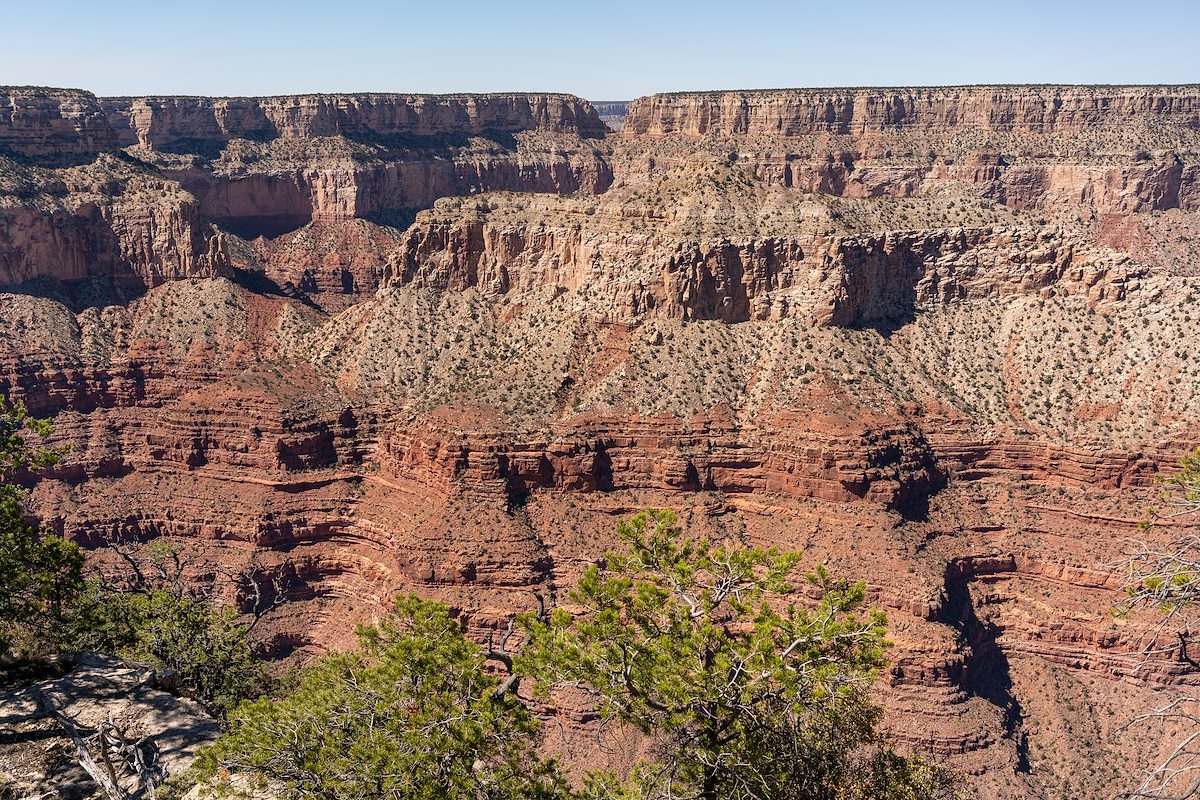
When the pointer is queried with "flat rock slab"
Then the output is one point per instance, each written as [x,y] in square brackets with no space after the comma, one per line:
[37,758]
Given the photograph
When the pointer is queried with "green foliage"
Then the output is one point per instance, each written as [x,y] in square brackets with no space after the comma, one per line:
[202,647]
[16,426]
[414,714]
[1167,576]
[40,574]
[45,604]
[746,696]
[1184,486]
[1181,492]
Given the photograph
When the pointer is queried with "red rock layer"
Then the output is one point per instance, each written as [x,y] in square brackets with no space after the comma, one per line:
[187,421]
[334,264]
[780,455]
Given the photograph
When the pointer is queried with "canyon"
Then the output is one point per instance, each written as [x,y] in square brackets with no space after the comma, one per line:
[939,339]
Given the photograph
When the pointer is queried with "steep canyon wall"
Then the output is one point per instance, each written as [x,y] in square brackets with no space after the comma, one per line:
[940,339]
[1108,148]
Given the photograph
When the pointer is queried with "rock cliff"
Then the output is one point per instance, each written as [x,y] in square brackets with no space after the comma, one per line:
[1105,148]
[180,123]
[1036,110]
[836,277]
[257,166]
[53,126]
[106,219]
[274,164]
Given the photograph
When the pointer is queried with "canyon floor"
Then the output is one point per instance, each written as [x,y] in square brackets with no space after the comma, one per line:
[941,340]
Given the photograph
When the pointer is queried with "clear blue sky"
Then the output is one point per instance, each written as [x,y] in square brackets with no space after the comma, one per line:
[603,49]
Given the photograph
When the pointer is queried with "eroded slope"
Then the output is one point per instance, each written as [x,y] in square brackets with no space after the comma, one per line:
[956,381]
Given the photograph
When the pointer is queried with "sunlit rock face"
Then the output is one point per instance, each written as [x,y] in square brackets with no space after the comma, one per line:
[939,339]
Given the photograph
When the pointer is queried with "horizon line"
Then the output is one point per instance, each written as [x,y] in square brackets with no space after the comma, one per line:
[554,93]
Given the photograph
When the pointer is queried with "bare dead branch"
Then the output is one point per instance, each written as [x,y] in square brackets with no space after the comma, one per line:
[104,778]
[500,653]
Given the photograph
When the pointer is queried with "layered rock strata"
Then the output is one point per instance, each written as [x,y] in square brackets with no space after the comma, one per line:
[1106,148]
[105,219]
[274,164]
[179,123]
[953,368]
[1031,110]
[257,166]
[837,279]
[53,126]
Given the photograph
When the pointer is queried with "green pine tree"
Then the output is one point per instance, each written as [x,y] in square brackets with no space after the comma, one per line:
[412,716]
[746,695]
[40,574]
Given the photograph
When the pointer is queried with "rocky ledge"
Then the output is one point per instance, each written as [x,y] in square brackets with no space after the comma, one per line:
[810,112]
[172,122]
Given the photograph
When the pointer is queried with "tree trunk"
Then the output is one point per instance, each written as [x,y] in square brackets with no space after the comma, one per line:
[107,781]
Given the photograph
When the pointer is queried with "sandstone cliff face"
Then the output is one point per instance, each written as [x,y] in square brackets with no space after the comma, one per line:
[71,208]
[259,166]
[889,277]
[278,202]
[882,464]
[53,125]
[137,246]
[106,219]
[1104,148]
[806,112]
[166,123]
[272,165]
[842,280]
[1152,184]
[282,162]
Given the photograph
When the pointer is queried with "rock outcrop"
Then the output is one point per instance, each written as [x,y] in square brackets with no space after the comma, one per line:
[105,219]
[1104,148]
[837,278]
[36,752]
[274,164]
[53,126]
[190,124]
[257,166]
[1035,110]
